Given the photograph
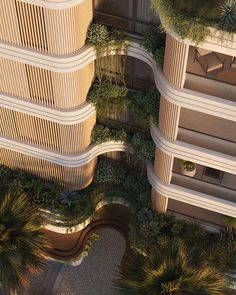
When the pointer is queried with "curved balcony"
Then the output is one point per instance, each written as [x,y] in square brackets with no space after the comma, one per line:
[64,117]
[186,98]
[54,4]
[71,160]
[191,196]
[193,153]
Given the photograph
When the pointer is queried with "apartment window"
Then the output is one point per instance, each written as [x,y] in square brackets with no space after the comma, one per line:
[213,173]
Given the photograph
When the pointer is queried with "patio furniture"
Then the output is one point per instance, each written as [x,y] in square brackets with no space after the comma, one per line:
[208,60]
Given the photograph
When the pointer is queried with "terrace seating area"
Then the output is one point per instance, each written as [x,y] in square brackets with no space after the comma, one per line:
[213,65]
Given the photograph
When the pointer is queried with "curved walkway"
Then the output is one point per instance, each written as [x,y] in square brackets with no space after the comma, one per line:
[93,276]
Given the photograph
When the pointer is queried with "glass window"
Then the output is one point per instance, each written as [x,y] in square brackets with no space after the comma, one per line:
[121,8]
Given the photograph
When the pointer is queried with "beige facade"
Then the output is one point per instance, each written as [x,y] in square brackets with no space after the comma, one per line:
[46,122]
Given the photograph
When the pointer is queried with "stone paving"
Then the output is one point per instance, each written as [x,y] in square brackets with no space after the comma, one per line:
[92,277]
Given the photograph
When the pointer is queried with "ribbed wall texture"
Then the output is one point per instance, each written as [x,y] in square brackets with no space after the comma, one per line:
[159,202]
[77,178]
[175,62]
[62,90]
[169,119]
[163,166]
[50,135]
[53,31]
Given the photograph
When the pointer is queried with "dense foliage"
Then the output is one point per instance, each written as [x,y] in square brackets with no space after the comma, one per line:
[108,98]
[22,242]
[169,268]
[136,143]
[192,19]
[112,47]
[113,99]
[154,42]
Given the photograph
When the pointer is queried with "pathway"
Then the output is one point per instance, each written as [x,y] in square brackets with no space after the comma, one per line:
[93,277]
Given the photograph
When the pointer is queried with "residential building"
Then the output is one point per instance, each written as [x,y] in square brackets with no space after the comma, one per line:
[46,122]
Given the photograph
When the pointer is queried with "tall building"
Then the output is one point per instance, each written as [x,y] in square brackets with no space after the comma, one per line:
[46,122]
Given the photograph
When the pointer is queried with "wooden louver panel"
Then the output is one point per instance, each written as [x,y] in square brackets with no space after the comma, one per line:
[59,90]
[47,134]
[77,178]
[32,26]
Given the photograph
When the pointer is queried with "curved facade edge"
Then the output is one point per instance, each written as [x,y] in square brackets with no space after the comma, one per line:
[54,4]
[63,117]
[71,160]
[219,41]
[189,196]
[193,153]
[183,97]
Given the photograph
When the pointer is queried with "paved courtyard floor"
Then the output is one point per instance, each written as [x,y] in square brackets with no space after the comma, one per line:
[92,277]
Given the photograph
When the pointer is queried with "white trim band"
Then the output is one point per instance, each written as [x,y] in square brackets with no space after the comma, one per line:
[189,196]
[186,98]
[193,153]
[67,160]
[60,116]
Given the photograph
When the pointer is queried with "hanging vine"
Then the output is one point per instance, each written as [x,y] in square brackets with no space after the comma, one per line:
[112,48]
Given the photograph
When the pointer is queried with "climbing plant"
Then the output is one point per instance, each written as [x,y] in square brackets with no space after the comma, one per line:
[112,47]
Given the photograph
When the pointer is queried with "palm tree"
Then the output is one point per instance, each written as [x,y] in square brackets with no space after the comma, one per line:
[167,269]
[22,242]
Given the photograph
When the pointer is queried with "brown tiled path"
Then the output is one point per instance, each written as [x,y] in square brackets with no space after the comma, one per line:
[93,277]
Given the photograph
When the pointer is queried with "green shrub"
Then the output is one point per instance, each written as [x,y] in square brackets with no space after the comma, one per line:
[101,134]
[97,35]
[145,106]
[142,148]
[153,40]
[105,173]
[108,98]
[187,165]
[112,48]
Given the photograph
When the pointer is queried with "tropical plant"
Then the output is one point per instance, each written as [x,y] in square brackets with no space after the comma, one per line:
[187,165]
[22,242]
[228,15]
[168,269]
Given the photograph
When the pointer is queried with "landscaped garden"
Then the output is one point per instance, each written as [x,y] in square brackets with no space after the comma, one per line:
[168,256]
[192,19]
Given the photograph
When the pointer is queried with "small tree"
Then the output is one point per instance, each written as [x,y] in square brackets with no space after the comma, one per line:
[22,242]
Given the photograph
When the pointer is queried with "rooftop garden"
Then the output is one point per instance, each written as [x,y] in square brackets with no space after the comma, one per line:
[192,18]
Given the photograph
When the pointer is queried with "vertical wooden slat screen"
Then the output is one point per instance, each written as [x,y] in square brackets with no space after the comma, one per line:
[50,135]
[61,90]
[77,178]
[56,31]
